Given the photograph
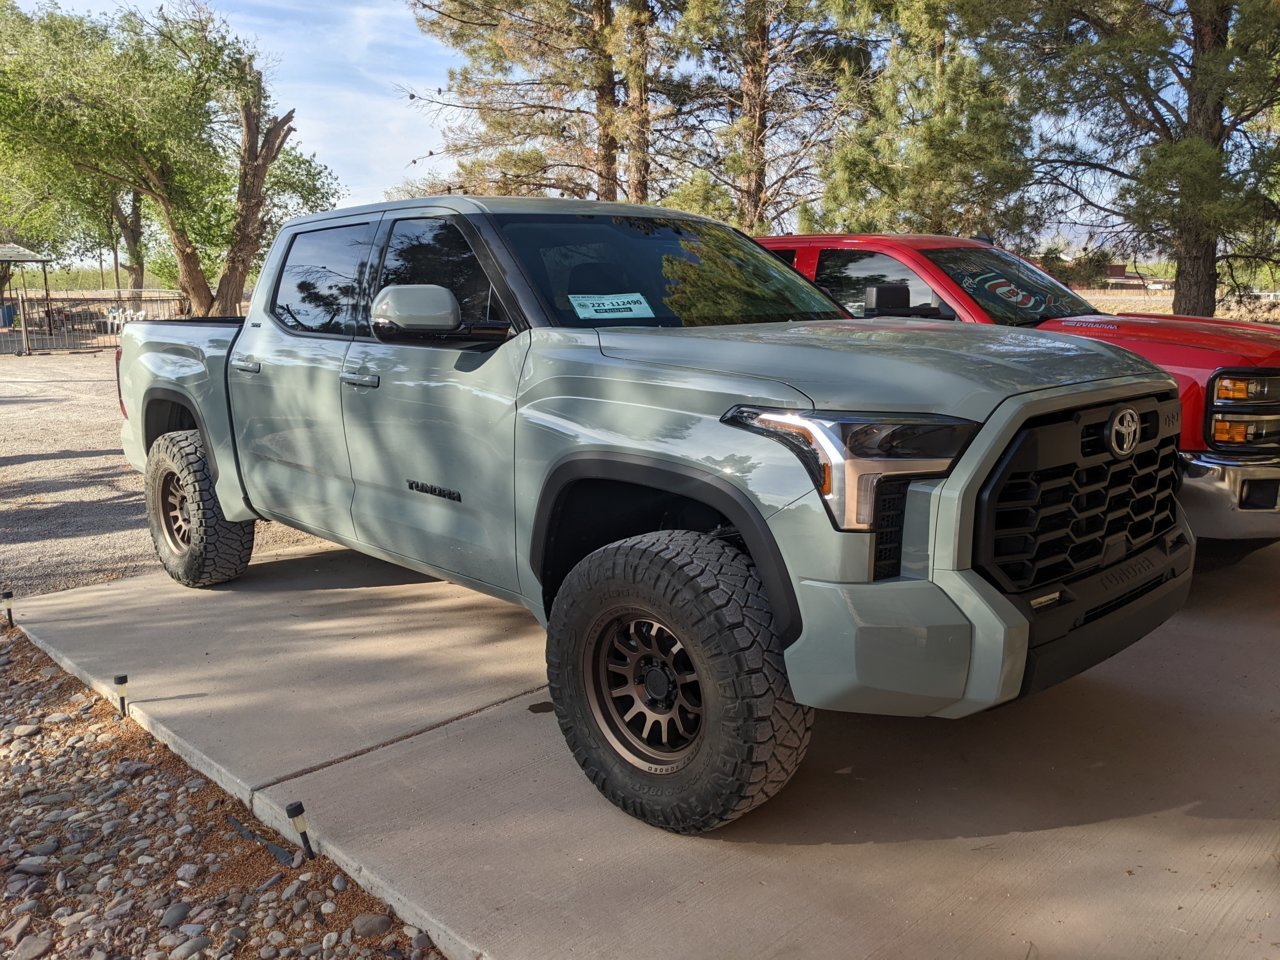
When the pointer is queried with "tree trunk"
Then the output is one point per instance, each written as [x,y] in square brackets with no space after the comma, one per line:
[606,101]
[1195,241]
[130,223]
[1195,276]
[639,121]
[258,151]
[754,89]
[191,279]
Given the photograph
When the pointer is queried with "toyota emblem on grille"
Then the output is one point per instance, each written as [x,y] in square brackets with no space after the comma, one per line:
[1123,430]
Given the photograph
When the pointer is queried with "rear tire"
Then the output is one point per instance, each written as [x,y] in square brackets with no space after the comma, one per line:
[669,683]
[196,544]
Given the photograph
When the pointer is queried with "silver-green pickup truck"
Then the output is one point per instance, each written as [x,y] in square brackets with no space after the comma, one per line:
[729,502]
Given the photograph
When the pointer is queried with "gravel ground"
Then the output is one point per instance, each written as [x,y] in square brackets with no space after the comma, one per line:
[114,848]
[72,511]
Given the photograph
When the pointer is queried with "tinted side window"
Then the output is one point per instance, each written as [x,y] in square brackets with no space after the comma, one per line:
[786,256]
[848,273]
[320,283]
[433,250]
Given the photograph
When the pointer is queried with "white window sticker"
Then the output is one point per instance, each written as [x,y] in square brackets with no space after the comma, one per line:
[600,306]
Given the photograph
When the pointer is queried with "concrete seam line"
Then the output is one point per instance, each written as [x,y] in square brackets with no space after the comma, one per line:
[393,741]
[453,945]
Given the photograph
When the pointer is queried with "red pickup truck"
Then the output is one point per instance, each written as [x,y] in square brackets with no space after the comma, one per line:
[1228,372]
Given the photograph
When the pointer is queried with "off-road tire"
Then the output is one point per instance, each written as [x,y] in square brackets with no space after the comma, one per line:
[216,549]
[752,735]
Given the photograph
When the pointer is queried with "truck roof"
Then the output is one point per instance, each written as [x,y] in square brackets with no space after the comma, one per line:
[465,203]
[917,241]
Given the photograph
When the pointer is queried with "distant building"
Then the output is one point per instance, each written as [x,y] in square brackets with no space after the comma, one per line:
[1120,277]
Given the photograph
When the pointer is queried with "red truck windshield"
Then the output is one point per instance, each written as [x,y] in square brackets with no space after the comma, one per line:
[1010,290]
[600,270]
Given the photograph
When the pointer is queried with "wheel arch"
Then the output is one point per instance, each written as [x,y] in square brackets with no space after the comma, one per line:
[558,541]
[165,410]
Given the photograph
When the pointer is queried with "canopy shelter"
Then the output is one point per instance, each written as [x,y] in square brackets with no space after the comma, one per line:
[11,253]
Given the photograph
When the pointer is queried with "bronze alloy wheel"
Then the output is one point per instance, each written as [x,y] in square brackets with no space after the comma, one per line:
[194,540]
[175,513]
[644,692]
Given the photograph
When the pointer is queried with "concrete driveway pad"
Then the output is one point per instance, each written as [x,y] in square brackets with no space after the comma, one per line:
[1131,812]
[309,657]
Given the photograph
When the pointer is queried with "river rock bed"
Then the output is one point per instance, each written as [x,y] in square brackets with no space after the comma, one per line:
[113,847]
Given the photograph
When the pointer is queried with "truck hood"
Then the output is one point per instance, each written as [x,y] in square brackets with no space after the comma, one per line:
[1185,344]
[917,366]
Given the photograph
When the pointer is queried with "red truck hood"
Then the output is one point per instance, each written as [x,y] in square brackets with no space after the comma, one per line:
[1189,348]
[1188,343]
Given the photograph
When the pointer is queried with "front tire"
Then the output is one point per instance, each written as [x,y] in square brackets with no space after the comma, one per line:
[668,681]
[196,544]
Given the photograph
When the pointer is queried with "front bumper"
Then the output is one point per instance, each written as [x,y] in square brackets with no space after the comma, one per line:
[1231,499]
[956,645]
[943,640]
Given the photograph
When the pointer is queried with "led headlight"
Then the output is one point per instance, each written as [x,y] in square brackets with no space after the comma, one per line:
[848,454]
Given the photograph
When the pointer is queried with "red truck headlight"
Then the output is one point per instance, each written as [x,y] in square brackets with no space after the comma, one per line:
[1243,389]
[1244,410]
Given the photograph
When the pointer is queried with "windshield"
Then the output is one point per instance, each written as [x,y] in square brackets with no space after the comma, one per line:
[1010,290]
[605,270]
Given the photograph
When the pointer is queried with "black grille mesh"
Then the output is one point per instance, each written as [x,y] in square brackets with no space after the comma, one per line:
[1060,505]
[891,507]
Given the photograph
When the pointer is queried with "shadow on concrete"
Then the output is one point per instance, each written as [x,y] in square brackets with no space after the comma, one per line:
[328,570]
[1221,554]
[1186,719]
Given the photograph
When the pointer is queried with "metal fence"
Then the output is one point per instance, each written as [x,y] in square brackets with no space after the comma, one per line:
[82,321]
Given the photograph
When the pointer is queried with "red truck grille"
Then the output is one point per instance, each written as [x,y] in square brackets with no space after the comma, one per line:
[1062,504]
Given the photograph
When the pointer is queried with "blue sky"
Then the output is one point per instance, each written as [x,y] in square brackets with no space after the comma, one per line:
[338,65]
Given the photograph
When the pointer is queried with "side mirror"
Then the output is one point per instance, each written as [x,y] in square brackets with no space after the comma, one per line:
[411,309]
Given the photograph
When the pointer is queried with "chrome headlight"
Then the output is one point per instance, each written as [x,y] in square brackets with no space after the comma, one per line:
[848,454]
[1244,410]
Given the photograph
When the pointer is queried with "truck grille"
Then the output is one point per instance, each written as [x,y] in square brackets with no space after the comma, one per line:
[1061,505]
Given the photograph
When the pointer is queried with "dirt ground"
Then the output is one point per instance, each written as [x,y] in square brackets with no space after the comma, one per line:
[71,508]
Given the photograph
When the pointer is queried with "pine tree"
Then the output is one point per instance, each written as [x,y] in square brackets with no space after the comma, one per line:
[1153,119]
[939,144]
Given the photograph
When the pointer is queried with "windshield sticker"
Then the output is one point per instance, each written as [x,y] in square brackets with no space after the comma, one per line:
[598,306]
[1004,288]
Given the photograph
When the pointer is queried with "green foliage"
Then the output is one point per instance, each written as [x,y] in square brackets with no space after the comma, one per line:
[1153,122]
[159,105]
[703,195]
[1087,269]
[638,99]
[941,144]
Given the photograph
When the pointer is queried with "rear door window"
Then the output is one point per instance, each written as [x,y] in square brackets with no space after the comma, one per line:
[322,281]
[432,250]
[846,274]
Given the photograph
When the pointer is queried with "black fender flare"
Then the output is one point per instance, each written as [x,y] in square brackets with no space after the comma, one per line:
[692,483]
[185,401]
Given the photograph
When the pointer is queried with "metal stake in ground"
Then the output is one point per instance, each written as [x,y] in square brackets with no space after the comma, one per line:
[7,597]
[122,687]
[295,812]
